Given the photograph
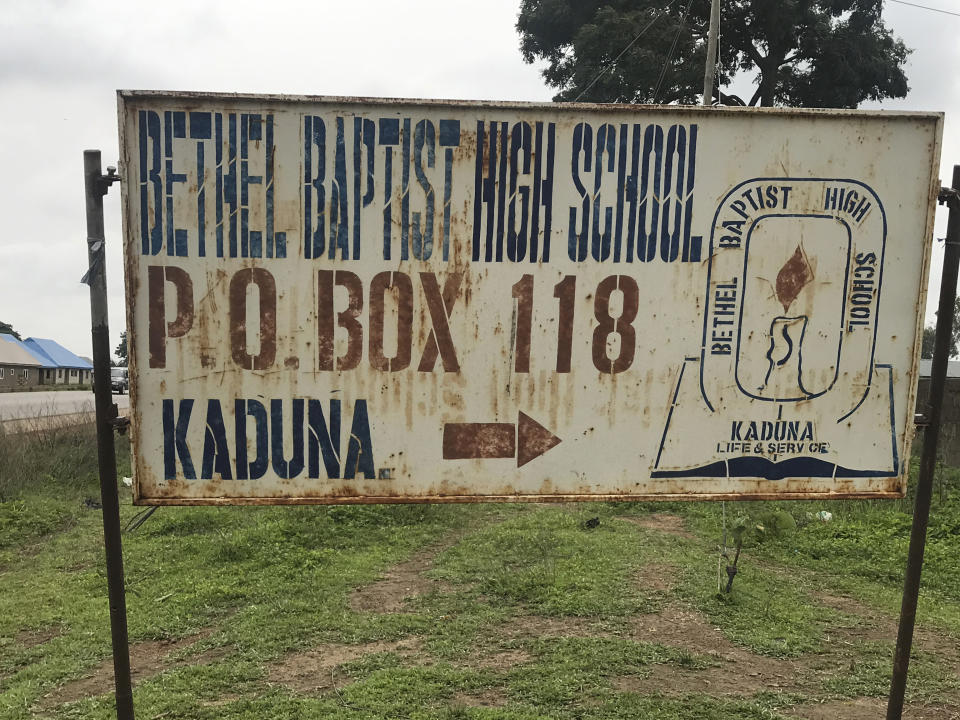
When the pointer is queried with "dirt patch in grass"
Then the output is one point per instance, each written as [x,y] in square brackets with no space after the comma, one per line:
[403,582]
[845,604]
[861,629]
[530,626]
[725,681]
[739,671]
[502,660]
[662,522]
[147,659]
[872,625]
[489,698]
[32,638]
[656,578]
[857,709]
[932,712]
[867,623]
[320,668]
[869,709]
[686,628]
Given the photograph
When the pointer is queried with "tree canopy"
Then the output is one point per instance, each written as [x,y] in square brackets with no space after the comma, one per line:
[7,329]
[929,337]
[805,53]
[930,332]
[121,351]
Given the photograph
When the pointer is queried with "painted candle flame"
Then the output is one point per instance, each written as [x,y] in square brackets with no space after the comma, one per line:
[795,274]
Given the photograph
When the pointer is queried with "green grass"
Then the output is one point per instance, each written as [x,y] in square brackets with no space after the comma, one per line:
[564,667]
[44,478]
[869,674]
[262,583]
[550,563]
[768,614]
[862,551]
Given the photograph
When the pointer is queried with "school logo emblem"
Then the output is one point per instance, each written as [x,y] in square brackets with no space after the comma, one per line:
[789,333]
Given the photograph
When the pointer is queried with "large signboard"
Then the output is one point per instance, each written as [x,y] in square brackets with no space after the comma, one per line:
[342,300]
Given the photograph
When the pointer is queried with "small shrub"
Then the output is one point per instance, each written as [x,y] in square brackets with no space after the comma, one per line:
[769,524]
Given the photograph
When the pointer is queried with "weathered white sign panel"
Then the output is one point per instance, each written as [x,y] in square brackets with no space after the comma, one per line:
[341,300]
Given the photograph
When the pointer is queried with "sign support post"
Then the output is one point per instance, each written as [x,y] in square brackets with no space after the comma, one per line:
[96,185]
[921,513]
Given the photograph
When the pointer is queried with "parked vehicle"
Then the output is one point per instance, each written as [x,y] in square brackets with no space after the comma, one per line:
[119,380]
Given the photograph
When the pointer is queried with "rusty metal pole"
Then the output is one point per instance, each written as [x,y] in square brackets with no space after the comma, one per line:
[97,185]
[928,460]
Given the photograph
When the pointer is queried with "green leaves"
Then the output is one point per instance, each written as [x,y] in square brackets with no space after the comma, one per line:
[831,53]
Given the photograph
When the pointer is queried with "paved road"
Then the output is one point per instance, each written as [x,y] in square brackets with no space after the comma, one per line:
[49,403]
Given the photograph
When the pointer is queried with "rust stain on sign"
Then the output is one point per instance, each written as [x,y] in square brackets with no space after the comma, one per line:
[346,300]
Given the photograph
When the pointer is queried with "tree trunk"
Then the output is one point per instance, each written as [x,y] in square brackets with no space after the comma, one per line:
[768,83]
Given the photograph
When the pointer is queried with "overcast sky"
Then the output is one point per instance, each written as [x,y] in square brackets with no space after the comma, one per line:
[61,62]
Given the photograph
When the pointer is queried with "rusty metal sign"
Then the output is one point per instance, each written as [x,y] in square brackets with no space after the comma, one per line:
[340,300]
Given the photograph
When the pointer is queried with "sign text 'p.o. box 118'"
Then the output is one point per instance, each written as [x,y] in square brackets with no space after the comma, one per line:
[341,300]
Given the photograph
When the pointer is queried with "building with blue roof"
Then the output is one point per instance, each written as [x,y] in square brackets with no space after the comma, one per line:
[19,369]
[67,368]
[58,366]
[39,358]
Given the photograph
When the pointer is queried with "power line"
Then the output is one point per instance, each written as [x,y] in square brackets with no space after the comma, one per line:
[673,47]
[717,58]
[926,7]
[632,43]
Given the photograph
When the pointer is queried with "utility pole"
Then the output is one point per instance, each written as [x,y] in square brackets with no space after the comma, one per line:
[710,71]
[709,77]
